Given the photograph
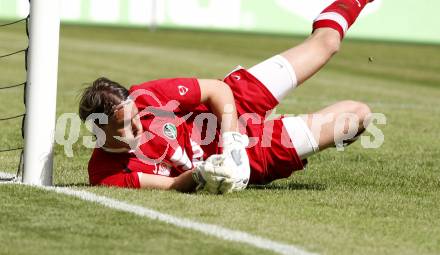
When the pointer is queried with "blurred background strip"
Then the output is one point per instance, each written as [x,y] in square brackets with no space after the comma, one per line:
[396,20]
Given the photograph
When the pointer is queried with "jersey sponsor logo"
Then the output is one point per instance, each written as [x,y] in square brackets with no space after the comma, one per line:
[170,131]
[163,169]
[237,77]
[183,90]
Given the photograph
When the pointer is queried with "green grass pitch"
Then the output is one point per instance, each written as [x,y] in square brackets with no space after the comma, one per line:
[383,201]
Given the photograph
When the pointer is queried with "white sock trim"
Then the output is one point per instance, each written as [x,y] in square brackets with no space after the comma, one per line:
[309,134]
[301,136]
[336,17]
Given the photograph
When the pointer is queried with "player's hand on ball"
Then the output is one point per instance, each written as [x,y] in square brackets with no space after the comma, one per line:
[227,172]
[234,149]
[215,175]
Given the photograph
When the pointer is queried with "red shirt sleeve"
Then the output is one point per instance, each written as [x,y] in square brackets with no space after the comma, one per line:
[122,180]
[111,170]
[182,94]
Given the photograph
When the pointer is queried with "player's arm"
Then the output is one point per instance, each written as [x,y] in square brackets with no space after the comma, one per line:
[182,183]
[218,96]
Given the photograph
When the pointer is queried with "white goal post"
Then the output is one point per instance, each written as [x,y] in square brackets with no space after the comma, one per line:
[41,91]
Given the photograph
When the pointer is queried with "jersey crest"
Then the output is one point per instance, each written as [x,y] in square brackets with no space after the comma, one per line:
[170,131]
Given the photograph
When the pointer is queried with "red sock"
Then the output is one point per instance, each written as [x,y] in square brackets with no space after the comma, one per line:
[340,15]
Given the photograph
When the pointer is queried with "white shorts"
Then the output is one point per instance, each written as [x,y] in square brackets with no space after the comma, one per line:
[279,77]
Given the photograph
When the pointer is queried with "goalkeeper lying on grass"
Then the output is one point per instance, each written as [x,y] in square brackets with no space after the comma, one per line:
[192,134]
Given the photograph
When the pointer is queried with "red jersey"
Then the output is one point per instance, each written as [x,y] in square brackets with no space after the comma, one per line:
[181,132]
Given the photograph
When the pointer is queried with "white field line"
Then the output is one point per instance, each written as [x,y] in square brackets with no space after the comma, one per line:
[207,229]
[6,176]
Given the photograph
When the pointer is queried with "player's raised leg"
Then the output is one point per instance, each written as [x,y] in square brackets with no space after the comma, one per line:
[282,73]
[329,29]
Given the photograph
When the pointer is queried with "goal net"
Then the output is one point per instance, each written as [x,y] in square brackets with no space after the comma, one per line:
[43,25]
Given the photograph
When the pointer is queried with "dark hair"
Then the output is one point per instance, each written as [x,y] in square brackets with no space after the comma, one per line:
[101,97]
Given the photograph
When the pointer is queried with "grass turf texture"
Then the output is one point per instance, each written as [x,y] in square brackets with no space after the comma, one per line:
[383,201]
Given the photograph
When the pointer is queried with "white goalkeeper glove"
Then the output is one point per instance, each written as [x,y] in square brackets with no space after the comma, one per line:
[234,149]
[214,175]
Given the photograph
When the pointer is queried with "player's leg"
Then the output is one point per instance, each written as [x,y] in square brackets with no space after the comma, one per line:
[282,73]
[338,124]
[311,55]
